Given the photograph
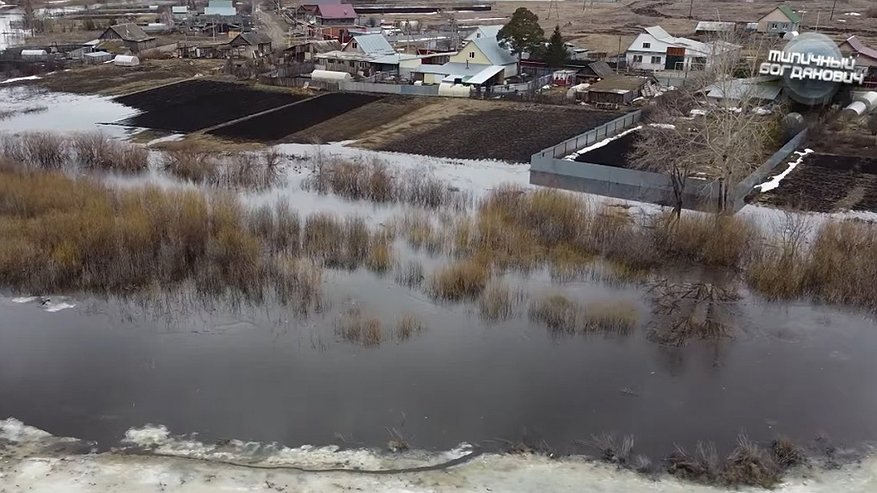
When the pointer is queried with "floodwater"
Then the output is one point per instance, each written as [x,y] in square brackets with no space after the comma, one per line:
[262,374]
[40,110]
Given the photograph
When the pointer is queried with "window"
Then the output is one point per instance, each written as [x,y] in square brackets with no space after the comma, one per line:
[471,54]
[647,45]
[656,59]
[352,64]
[354,44]
[637,59]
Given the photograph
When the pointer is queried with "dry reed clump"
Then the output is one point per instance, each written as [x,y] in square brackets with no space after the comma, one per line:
[610,316]
[842,264]
[378,182]
[408,326]
[409,274]
[323,238]
[557,312]
[360,329]
[60,234]
[190,164]
[463,279]
[95,151]
[751,465]
[418,229]
[715,240]
[498,301]
[379,258]
[298,283]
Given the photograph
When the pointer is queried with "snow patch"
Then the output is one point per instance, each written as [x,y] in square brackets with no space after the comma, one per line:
[14,430]
[775,180]
[604,142]
[18,79]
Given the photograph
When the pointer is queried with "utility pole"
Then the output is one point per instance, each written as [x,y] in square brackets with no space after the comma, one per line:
[831,17]
[618,56]
[690,8]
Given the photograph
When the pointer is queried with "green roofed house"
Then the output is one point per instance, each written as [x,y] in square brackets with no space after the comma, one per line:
[780,21]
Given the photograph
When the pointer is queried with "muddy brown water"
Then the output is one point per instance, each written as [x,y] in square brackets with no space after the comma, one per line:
[262,374]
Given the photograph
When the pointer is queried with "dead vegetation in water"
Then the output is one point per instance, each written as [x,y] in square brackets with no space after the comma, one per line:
[59,234]
[241,170]
[460,280]
[359,328]
[91,151]
[562,315]
[407,327]
[409,274]
[376,181]
[498,301]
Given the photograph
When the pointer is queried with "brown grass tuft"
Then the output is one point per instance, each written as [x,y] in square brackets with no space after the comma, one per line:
[557,312]
[359,329]
[408,326]
[497,302]
[460,280]
[610,316]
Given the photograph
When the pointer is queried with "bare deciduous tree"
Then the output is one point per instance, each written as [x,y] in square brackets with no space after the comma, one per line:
[726,140]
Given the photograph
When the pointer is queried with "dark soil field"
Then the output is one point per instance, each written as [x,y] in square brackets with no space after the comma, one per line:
[197,104]
[278,124]
[828,183]
[356,123]
[612,154]
[512,133]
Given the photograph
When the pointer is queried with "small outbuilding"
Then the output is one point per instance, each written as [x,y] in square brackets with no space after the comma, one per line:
[134,38]
[617,90]
[126,61]
[251,44]
[779,21]
[96,57]
[34,55]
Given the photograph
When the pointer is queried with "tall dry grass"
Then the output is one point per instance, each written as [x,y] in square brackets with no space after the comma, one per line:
[498,301]
[64,234]
[464,279]
[378,182]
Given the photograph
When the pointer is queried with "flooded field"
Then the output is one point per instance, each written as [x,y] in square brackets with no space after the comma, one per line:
[525,356]
[32,109]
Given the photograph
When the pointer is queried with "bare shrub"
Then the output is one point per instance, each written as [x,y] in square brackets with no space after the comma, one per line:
[464,279]
[408,326]
[95,151]
[842,265]
[278,226]
[356,242]
[46,150]
[409,274]
[13,148]
[247,171]
[418,229]
[190,164]
[778,268]
[360,329]
[498,301]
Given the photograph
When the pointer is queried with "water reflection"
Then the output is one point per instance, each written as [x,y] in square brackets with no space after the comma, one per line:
[63,112]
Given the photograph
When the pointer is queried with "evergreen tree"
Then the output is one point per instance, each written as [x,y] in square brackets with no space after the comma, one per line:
[555,54]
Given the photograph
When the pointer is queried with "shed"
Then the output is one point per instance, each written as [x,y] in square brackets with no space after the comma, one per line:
[126,61]
[251,44]
[594,71]
[134,38]
[220,7]
[617,89]
[97,57]
[780,20]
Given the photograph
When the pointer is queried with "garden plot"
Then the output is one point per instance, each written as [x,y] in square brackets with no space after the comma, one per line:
[507,131]
[275,125]
[828,183]
[197,104]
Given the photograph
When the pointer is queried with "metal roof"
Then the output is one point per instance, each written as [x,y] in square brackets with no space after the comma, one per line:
[791,14]
[493,51]
[618,83]
[713,26]
[220,7]
[129,32]
[860,48]
[337,11]
[486,32]
[255,38]
[766,89]
[373,44]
